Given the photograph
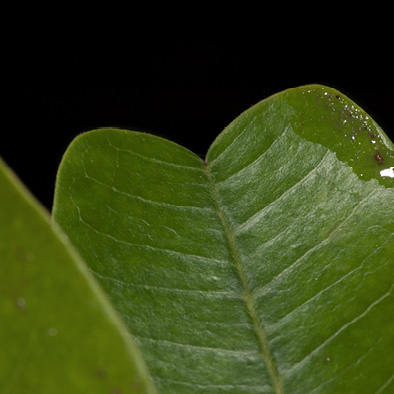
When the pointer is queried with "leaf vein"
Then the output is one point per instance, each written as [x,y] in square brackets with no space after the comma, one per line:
[159,161]
[343,278]
[339,331]
[386,384]
[262,290]
[205,293]
[257,216]
[150,202]
[260,333]
[253,120]
[259,158]
[193,348]
[257,389]
[145,246]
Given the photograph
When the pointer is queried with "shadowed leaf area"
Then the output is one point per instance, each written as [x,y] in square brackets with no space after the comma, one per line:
[266,268]
[58,333]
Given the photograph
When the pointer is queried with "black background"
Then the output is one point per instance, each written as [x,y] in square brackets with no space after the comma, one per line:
[183,88]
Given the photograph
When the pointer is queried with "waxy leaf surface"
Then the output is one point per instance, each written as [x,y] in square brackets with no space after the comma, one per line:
[266,268]
[58,333]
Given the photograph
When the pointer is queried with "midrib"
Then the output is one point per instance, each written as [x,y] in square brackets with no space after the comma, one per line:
[265,351]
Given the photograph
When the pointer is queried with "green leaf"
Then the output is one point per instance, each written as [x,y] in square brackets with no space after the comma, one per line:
[58,333]
[267,268]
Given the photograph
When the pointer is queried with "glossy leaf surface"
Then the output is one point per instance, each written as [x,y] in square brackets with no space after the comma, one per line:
[266,268]
[58,333]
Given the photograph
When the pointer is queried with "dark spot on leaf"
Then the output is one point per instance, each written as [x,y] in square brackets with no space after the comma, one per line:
[337,96]
[205,163]
[379,158]
[137,386]
[326,359]
[101,373]
[373,136]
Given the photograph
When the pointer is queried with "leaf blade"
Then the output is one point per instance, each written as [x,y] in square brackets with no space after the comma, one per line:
[279,205]
[175,244]
[232,277]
